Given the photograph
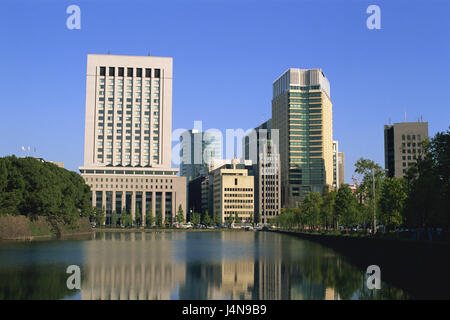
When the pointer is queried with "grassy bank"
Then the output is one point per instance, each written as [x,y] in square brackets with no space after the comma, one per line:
[162,230]
[23,228]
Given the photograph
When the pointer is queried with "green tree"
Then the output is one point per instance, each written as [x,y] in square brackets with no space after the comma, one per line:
[250,219]
[149,219]
[230,219]
[123,215]
[114,219]
[346,206]
[207,221]
[364,168]
[195,218]
[137,217]
[428,179]
[99,216]
[393,196]
[180,216]
[311,208]
[327,208]
[217,220]
[159,219]
[128,221]
[237,219]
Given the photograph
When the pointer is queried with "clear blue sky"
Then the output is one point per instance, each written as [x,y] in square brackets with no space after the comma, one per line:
[226,56]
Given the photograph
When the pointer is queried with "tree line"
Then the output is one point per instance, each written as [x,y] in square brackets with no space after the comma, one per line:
[421,199]
[33,188]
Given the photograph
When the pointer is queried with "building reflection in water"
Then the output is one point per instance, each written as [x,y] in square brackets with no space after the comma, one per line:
[131,266]
[218,265]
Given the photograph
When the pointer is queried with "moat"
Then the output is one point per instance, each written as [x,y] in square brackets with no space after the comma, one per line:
[184,265]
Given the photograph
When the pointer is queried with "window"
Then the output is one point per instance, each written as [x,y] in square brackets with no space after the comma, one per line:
[148,72]
[139,72]
[157,73]
[112,71]
[129,72]
[120,71]
[102,71]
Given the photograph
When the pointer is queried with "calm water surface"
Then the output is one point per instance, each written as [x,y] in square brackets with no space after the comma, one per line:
[183,265]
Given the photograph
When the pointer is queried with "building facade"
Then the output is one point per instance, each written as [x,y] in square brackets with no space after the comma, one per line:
[338,166]
[341,168]
[260,147]
[233,193]
[302,112]
[403,145]
[198,149]
[127,155]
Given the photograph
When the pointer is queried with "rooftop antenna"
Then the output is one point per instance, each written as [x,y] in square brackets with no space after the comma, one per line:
[389,120]
[405,116]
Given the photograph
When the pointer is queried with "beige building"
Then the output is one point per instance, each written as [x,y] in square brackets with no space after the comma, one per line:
[338,166]
[302,112]
[131,266]
[341,168]
[402,146]
[127,156]
[233,193]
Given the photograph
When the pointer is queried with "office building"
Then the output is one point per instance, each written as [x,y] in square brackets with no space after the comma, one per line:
[338,166]
[127,155]
[341,168]
[403,145]
[260,147]
[233,191]
[302,112]
[198,149]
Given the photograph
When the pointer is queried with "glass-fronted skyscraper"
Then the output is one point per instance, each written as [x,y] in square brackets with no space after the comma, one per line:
[302,111]
[198,151]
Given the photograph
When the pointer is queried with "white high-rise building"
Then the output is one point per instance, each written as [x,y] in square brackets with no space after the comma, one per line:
[127,157]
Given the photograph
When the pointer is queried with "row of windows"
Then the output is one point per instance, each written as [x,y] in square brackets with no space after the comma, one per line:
[100,137]
[413,144]
[130,72]
[238,195]
[227,213]
[137,107]
[237,206]
[410,151]
[270,213]
[411,137]
[126,180]
[239,189]
[237,201]
[131,186]
[119,81]
[137,100]
[315,87]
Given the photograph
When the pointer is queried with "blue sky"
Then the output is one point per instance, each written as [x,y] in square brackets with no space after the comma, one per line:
[226,56]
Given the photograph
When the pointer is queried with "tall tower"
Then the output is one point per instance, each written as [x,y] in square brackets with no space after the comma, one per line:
[302,111]
[127,153]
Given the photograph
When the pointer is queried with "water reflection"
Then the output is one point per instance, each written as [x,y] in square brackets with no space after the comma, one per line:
[220,265]
[185,265]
